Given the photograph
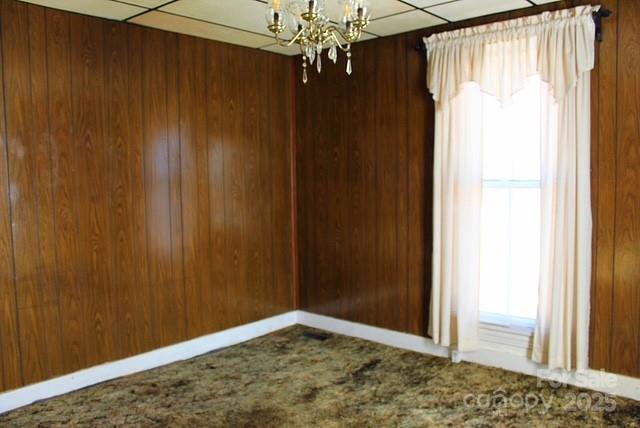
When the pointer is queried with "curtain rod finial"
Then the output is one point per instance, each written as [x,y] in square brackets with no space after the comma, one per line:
[597,19]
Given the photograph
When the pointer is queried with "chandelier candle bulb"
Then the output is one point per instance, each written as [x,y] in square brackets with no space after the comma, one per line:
[275,17]
[346,12]
[313,31]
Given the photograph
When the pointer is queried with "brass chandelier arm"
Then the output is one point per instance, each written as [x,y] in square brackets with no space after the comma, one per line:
[331,30]
[339,45]
[287,43]
[347,40]
[335,30]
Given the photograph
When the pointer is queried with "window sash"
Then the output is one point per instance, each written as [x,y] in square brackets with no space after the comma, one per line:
[500,319]
[511,184]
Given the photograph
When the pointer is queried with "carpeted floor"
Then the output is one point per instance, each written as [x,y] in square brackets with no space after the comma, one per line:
[289,379]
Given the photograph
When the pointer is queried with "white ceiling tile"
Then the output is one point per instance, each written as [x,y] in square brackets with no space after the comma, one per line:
[101,8]
[244,14]
[290,50]
[146,3]
[465,9]
[403,22]
[425,3]
[179,24]
[379,8]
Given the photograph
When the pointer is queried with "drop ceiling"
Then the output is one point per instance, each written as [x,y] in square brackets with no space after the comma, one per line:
[242,22]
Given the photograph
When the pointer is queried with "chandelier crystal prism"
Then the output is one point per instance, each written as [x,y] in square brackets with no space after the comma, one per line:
[314,32]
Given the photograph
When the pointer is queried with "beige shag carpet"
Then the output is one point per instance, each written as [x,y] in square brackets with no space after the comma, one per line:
[289,379]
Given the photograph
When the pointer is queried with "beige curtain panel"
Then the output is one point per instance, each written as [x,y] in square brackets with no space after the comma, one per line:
[499,58]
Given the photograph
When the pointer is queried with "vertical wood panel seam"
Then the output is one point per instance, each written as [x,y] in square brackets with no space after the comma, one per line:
[637,314]
[53,193]
[225,241]
[615,182]
[13,261]
[271,195]
[3,138]
[132,159]
[111,250]
[595,197]
[407,174]
[376,278]
[36,190]
[35,194]
[347,234]
[179,119]
[405,169]
[397,182]
[143,111]
[176,52]
[637,15]
[136,248]
[293,149]
[165,39]
[81,269]
[210,244]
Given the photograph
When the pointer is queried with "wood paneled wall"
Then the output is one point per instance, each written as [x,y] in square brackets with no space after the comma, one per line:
[145,191]
[361,187]
[364,186]
[615,314]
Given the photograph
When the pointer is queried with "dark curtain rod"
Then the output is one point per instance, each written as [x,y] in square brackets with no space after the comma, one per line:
[597,19]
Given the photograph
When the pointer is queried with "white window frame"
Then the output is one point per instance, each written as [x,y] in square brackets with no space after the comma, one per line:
[505,333]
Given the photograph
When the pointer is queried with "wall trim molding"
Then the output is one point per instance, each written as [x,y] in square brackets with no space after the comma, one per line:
[374,334]
[624,386]
[618,385]
[29,394]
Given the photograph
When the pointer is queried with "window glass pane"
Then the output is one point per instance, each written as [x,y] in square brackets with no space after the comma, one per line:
[524,252]
[496,162]
[494,291]
[511,134]
[510,247]
[523,120]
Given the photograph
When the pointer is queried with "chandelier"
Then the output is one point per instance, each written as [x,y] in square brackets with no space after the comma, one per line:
[314,32]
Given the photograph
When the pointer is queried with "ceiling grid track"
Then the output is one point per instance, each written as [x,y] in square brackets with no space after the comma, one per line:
[202,18]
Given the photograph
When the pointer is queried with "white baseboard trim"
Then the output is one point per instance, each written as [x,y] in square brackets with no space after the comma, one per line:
[618,385]
[623,386]
[374,334]
[159,357]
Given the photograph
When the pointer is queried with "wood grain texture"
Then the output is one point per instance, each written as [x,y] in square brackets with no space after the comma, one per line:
[11,373]
[353,189]
[30,187]
[147,177]
[625,326]
[142,336]
[222,294]
[65,188]
[144,200]
[603,166]
[384,277]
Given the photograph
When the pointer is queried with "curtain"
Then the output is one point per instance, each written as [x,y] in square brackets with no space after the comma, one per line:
[498,58]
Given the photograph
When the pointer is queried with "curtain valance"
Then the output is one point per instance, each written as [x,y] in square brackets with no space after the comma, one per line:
[499,57]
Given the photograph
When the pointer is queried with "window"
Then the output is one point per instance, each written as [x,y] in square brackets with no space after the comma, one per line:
[510,234]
